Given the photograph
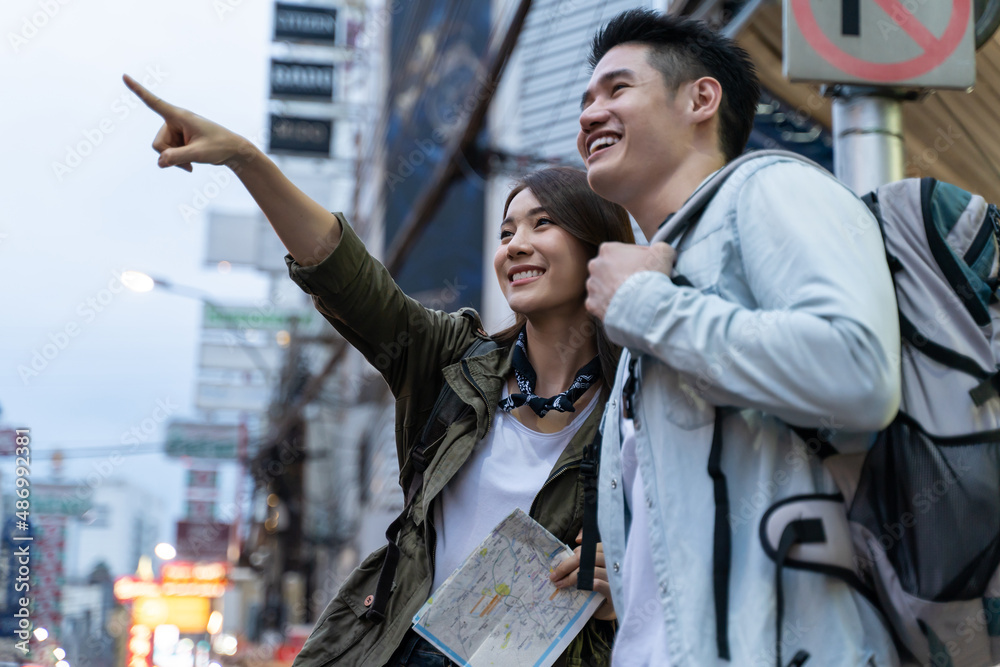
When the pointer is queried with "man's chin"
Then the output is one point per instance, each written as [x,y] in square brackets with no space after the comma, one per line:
[603,180]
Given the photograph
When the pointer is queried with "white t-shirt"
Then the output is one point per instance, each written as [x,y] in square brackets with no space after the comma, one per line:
[505,471]
[642,634]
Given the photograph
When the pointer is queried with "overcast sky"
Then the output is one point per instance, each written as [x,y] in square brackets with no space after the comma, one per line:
[82,199]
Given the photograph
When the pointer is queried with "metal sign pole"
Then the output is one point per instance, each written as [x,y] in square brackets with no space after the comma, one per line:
[868,136]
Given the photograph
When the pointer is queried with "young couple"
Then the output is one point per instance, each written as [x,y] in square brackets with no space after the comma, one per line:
[787,319]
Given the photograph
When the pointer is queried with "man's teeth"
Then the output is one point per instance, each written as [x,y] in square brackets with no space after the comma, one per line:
[601,142]
[521,275]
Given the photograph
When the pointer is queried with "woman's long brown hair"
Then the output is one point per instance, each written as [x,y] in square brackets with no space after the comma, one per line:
[568,200]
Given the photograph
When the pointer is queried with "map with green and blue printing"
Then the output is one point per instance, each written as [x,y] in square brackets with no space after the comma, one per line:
[500,608]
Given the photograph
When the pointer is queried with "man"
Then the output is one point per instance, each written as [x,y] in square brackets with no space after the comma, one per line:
[790,320]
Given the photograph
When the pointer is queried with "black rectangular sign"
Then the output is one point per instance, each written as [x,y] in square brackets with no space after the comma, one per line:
[305,23]
[297,79]
[310,136]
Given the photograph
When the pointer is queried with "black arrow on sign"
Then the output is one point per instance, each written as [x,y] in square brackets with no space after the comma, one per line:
[850,23]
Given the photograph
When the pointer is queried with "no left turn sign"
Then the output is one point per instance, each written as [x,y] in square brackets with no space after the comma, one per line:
[909,43]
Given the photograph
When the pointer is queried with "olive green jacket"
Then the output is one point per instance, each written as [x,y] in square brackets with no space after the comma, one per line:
[417,349]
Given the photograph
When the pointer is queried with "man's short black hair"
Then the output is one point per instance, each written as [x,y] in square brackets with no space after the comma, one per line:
[684,50]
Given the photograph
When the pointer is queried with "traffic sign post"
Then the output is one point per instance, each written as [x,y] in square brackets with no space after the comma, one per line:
[867,137]
[877,53]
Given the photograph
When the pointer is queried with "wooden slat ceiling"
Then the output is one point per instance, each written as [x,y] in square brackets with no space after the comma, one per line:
[971,120]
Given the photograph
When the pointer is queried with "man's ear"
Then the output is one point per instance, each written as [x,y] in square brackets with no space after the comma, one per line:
[705,96]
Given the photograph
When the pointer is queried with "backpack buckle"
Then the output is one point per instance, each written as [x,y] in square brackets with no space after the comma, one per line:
[419,460]
[588,465]
[628,391]
[986,390]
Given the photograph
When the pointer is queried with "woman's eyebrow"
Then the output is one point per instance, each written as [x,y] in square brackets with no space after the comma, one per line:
[534,211]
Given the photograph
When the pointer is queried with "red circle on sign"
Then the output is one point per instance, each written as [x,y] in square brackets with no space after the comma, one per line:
[936,51]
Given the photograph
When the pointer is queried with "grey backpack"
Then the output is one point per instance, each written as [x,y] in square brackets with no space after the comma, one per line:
[916,525]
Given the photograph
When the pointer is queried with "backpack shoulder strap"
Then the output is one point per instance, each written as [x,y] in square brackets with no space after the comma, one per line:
[447,409]
[689,213]
[588,548]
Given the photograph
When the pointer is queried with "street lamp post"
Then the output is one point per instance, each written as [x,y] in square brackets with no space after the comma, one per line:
[141,282]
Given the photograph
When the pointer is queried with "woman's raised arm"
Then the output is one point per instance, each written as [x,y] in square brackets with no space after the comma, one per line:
[308,230]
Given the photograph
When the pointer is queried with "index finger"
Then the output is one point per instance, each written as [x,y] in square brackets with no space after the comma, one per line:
[158,105]
[566,567]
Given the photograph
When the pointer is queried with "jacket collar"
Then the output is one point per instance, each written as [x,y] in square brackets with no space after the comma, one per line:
[478,381]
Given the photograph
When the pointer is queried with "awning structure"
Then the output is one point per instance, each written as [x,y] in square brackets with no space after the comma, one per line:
[950,135]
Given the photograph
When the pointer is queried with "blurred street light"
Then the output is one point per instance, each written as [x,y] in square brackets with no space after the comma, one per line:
[165,551]
[137,281]
[214,623]
[226,645]
[41,634]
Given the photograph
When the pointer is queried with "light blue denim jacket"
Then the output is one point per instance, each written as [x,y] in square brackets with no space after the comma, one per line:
[792,320]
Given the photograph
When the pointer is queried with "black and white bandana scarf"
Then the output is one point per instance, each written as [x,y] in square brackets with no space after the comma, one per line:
[525,376]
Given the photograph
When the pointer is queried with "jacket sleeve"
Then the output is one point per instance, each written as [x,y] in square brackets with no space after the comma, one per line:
[821,347]
[406,342]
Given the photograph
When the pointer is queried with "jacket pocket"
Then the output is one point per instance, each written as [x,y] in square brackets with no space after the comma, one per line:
[691,411]
[677,396]
[342,625]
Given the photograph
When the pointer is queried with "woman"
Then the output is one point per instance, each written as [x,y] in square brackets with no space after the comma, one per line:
[537,399]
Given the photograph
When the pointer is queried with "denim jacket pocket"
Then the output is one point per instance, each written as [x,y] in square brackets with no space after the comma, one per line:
[683,404]
[689,410]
